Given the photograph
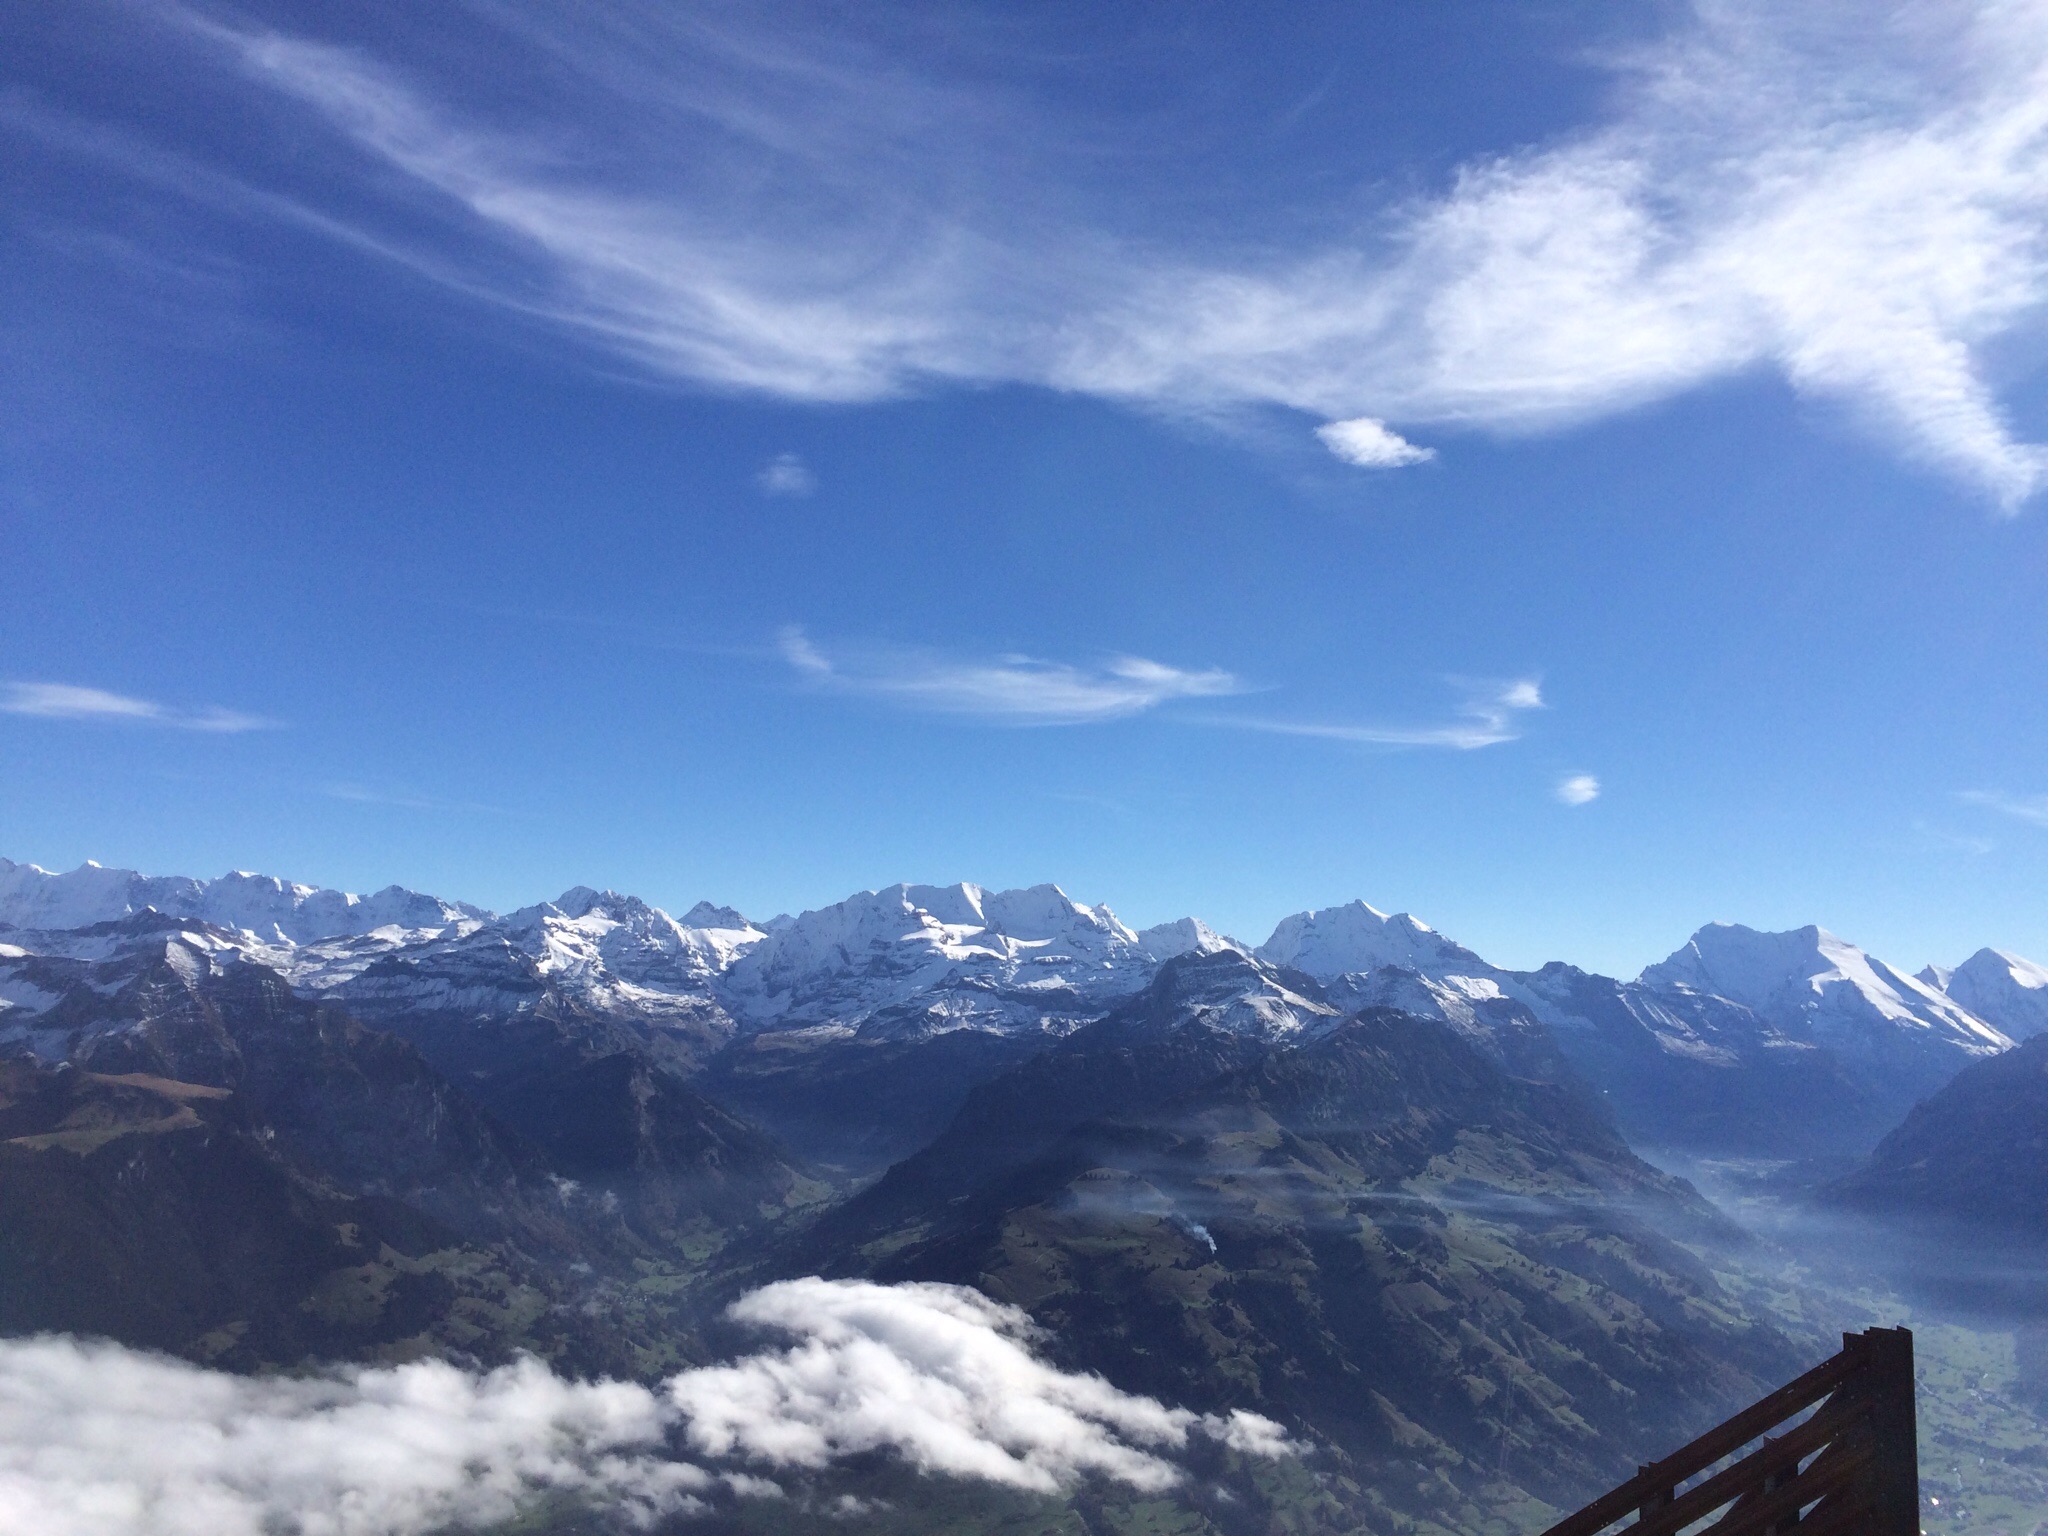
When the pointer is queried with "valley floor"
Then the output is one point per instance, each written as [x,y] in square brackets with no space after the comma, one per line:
[1980,1335]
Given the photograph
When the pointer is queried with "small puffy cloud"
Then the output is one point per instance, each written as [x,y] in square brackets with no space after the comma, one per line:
[100,1440]
[785,475]
[943,1377]
[69,701]
[1371,444]
[1578,789]
[1013,690]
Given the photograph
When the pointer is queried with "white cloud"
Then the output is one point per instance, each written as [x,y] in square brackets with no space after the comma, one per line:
[2031,808]
[68,701]
[786,475]
[99,1440]
[1371,445]
[1578,789]
[1486,719]
[1856,200]
[1015,690]
[943,1377]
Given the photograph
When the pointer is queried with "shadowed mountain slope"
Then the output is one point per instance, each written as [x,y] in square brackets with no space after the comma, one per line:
[1461,1280]
[1973,1156]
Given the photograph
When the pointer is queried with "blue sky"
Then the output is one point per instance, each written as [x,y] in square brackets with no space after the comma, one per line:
[1565,471]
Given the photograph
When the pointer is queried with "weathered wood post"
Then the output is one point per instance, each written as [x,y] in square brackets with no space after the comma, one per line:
[1894,1421]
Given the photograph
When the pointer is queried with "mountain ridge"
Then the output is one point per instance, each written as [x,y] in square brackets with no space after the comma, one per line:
[1705,1047]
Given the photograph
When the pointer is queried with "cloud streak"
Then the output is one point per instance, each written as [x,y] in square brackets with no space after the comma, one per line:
[2027,808]
[69,701]
[1487,718]
[1011,690]
[1857,203]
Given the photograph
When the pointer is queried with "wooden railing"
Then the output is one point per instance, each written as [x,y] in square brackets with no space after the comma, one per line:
[1850,1468]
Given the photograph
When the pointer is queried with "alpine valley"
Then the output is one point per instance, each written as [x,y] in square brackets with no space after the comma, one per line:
[1447,1225]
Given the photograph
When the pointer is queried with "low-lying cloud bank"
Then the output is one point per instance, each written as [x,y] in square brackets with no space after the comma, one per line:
[942,1376]
[100,1440]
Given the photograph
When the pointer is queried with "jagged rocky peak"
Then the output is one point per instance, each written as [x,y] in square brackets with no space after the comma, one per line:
[705,915]
[275,911]
[963,956]
[581,901]
[2000,988]
[1186,936]
[961,920]
[1228,990]
[1337,940]
[1809,975]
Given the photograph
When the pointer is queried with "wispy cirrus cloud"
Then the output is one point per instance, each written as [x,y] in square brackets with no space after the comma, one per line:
[2028,808]
[1487,718]
[1011,690]
[1855,200]
[353,792]
[70,701]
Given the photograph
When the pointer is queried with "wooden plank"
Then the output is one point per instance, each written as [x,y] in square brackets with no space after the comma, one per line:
[1833,1471]
[1788,1449]
[1663,1476]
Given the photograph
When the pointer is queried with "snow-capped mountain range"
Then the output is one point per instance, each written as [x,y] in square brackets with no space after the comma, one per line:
[912,961]
[274,911]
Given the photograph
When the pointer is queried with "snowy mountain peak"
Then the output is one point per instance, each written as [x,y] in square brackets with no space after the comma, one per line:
[1356,937]
[705,915]
[1186,936]
[1813,973]
[1226,990]
[2000,988]
[581,901]
[1024,955]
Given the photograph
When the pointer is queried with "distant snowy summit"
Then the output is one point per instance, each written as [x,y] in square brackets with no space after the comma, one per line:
[1337,941]
[1997,986]
[1831,987]
[274,911]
